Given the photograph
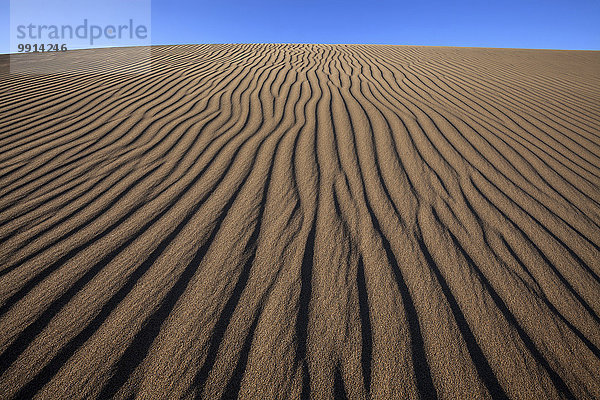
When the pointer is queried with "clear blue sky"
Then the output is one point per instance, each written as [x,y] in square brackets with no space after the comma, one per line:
[515,23]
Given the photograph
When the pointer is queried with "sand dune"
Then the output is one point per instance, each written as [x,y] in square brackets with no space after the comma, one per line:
[295,221]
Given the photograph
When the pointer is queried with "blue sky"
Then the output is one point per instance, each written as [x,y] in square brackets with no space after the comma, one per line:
[515,23]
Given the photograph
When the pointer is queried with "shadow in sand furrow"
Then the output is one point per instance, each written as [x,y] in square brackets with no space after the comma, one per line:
[593,348]
[32,131]
[546,229]
[112,202]
[549,167]
[380,176]
[363,304]
[525,192]
[394,142]
[514,323]
[145,101]
[339,391]
[491,88]
[467,123]
[52,367]
[423,378]
[67,350]
[113,106]
[33,282]
[9,302]
[38,278]
[544,257]
[480,362]
[546,127]
[302,319]
[422,132]
[232,389]
[307,264]
[565,132]
[71,180]
[365,324]
[509,122]
[234,298]
[32,214]
[47,177]
[58,116]
[498,134]
[61,91]
[173,125]
[53,195]
[233,386]
[137,350]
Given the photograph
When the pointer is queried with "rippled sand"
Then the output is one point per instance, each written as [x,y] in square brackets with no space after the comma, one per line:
[294,221]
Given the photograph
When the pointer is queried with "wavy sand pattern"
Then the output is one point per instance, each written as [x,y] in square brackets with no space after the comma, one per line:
[295,221]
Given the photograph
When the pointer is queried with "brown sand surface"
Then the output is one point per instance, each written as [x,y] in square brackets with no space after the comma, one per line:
[294,221]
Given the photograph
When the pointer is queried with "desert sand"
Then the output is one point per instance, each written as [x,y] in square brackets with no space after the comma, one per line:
[301,221]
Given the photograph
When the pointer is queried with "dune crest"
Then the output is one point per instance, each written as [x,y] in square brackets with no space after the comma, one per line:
[295,221]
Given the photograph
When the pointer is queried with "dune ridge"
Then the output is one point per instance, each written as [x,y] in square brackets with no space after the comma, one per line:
[298,220]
